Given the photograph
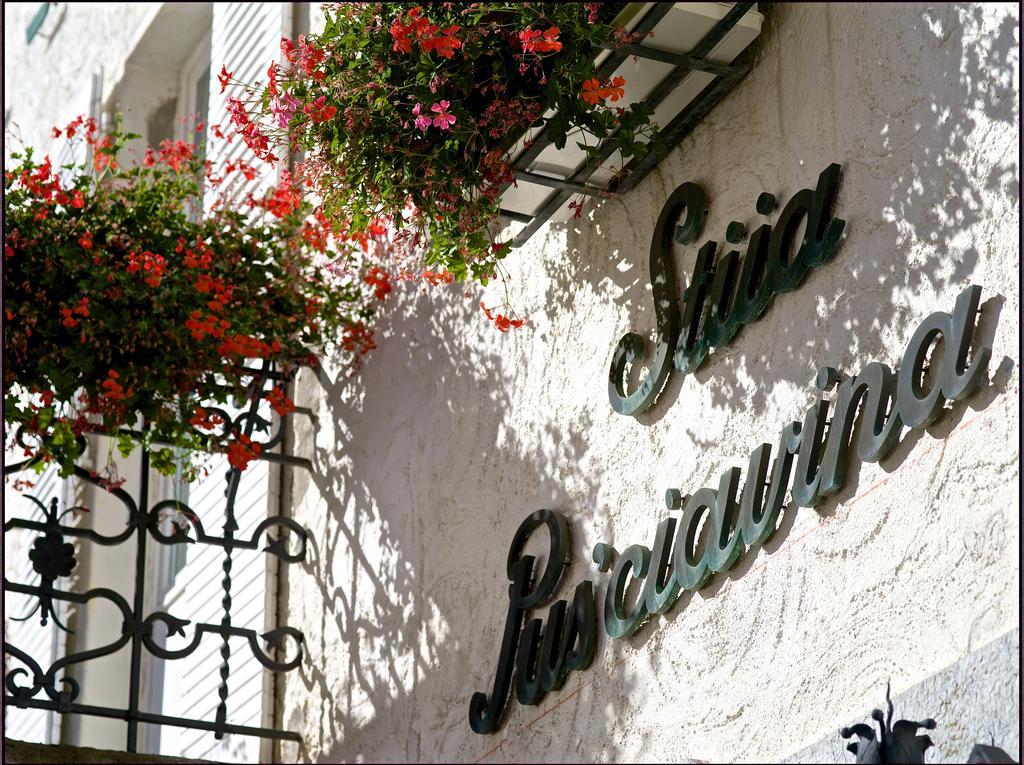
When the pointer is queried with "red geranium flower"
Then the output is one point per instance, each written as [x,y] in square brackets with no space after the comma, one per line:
[380,280]
[502,322]
[594,92]
[243,451]
[224,78]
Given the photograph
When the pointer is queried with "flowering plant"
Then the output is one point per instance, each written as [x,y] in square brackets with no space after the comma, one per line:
[409,112]
[120,303]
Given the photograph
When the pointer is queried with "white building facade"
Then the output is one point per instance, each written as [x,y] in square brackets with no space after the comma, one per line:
[426,463]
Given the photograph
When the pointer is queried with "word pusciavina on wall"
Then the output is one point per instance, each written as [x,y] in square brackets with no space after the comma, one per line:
[809,463]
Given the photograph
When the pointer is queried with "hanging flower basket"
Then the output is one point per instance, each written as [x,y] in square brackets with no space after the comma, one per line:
[409,113]
[120,304]
[443,119]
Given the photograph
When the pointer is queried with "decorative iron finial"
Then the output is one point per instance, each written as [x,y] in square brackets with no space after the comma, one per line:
[897,743]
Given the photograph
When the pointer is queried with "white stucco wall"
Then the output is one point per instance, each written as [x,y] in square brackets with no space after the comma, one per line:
[427,462]
[48,81]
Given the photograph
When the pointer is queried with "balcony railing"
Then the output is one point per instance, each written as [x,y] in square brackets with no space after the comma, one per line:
[30,685]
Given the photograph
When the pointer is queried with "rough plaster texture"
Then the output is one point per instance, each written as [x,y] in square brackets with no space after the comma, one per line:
[427,462]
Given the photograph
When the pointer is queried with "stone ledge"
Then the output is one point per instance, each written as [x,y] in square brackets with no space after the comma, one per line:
[59,754]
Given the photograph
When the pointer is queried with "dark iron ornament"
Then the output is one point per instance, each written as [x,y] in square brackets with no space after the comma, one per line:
[726,293]
[53,558]
[900,743]
[895,743]
[989,754]
[810,464]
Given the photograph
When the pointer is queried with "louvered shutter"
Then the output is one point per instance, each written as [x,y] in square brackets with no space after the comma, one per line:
[245,37]
[44,643]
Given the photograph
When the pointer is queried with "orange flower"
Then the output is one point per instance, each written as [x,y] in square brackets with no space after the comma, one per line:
[502,322]
[594,92]
[280,402]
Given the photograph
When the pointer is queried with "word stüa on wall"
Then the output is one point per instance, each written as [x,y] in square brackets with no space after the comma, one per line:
[810,465]
[723,294]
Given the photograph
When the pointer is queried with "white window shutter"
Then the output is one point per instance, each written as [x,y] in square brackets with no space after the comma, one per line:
[245,37]
[44,643]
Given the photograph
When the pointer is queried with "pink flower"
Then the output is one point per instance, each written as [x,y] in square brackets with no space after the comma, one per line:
[443,120]
[237,111]
[422,120]
[284,107]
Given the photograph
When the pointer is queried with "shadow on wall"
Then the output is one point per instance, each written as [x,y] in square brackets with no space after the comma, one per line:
[401,635]
[915,147]
[411,627]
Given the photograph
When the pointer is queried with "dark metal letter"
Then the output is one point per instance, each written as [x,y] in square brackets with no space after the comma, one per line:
[753,293]
[726,544]
[635,559]
[918,408]
[759,520]
[807,476]
[692,572]
[957,381]
[719,326]
[691,347]
[485,714]
[631,346]
[661,590]
[871,391]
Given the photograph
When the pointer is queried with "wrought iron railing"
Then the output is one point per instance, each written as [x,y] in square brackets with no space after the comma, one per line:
[33,686]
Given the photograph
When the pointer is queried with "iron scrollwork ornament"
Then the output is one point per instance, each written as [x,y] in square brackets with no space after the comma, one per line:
[895,743]
[989,754]
[51,556]
[279,649]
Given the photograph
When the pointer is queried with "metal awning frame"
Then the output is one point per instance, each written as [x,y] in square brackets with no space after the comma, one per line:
[726,77]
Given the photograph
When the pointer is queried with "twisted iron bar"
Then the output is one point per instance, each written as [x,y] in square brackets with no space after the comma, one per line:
[225,649]
[234,476]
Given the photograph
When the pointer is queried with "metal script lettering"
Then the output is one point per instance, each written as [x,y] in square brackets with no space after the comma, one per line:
[810,464]
[541,657]
[723,294]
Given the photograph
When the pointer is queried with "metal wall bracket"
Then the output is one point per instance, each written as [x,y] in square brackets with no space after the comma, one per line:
[696,60]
